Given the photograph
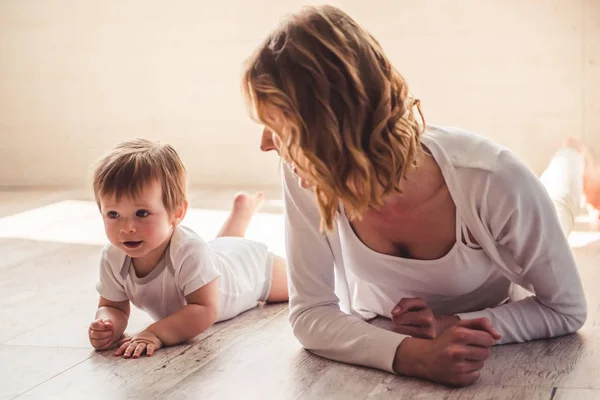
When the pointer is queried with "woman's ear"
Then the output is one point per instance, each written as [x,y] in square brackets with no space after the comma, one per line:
[180,213]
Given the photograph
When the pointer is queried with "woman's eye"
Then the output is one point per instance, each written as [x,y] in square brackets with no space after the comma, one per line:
[142,213]
[112,214]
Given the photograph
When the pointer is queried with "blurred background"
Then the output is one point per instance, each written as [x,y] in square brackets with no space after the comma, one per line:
[78,76]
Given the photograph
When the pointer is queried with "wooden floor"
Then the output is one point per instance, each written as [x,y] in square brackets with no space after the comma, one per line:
[50,243]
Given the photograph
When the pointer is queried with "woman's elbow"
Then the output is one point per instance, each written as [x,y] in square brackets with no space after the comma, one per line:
[302,331]
[577,320]
[576,317]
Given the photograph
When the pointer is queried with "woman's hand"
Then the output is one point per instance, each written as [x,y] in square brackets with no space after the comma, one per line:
[411,316]
[454,358]
[138,344]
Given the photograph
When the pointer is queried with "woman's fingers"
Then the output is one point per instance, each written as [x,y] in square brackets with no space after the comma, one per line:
[415,331]
[408,304]
[421,318]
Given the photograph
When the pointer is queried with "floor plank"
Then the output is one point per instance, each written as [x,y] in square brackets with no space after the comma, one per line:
[270,362]
[70,330]
[576,394]
[55,285]
[588,260]
[350,383]
[18,200]
[24,252]
[570,361]
[22,368]
[47,300]
[149,377]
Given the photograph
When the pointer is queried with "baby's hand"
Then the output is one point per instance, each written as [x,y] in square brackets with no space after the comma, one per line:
[138,344]
[101,333]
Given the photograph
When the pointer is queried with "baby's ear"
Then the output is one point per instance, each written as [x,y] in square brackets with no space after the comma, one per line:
[180,213]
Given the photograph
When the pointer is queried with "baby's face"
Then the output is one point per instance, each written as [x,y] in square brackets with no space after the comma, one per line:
[140,226]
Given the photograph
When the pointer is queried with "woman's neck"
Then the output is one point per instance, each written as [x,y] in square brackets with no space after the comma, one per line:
[421,186]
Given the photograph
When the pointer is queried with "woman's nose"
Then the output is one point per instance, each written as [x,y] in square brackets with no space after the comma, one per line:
[266,142]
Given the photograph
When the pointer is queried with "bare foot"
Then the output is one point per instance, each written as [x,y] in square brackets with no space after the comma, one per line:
[244,207]
[591,184]
[245,202]
[591,173]
[576,144]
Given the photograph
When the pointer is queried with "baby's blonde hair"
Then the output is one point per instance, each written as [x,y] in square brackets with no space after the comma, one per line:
[344,106]
[130,165]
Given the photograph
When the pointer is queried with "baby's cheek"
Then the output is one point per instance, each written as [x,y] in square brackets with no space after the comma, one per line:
[109,229]
[157,231]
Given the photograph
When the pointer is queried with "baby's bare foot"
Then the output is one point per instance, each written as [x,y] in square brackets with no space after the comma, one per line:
[246,202]
[591,184]
[591,173]
[575,143]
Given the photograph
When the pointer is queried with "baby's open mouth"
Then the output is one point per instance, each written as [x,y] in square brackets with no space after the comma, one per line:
[132,245]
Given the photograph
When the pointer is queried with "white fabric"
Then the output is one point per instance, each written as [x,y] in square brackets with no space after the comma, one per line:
[244,269]
[563,179]
[441,283]
[336,282]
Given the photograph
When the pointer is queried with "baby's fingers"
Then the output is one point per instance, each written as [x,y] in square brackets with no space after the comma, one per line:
[108,324]
[101,345]
[98,325]
[139,349]
[122,347]
[100,335]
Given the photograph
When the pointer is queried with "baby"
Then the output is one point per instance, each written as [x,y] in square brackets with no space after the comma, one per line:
[184,283]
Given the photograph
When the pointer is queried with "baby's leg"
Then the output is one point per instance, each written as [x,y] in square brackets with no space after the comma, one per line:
[591,182]
[563,180]
[244,207]
[279,284]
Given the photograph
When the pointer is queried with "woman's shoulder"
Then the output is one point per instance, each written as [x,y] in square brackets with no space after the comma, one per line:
[476,161]
[461,148]
[469,153]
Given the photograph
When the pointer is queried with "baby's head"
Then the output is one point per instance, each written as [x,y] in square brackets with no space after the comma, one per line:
[139,187]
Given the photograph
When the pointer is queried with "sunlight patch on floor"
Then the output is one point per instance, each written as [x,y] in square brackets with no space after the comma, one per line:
[79,222]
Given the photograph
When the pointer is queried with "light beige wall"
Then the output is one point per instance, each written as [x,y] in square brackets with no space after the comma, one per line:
[591,73]
[78,76]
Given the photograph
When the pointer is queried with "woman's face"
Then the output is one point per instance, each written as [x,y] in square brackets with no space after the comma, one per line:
[271,141]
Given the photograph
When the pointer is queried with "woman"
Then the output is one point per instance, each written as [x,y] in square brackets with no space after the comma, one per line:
[435,228]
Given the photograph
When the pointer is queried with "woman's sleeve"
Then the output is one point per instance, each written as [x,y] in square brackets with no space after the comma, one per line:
[315,315]
[522,218]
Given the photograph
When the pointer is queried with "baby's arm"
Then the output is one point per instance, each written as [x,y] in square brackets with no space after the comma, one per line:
[193,319]
[111,321]
[198,315]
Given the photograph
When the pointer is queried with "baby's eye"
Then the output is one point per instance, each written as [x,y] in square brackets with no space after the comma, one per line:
[112,214]
[142,213]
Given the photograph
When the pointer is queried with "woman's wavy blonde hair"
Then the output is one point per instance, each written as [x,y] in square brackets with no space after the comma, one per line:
[344,106]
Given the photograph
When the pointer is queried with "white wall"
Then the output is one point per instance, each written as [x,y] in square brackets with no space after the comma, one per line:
[77,76]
